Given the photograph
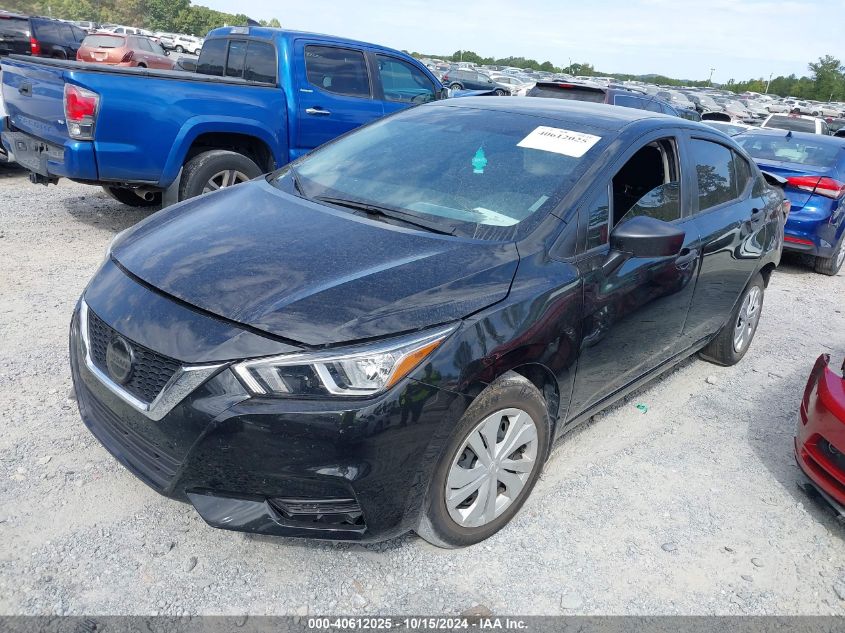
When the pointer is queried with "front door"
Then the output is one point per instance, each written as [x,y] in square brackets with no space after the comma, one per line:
[633,316]
[334,93]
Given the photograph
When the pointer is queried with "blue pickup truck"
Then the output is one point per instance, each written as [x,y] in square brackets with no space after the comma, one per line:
[259,98]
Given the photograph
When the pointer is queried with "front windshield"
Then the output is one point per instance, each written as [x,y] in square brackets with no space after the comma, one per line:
[473,172]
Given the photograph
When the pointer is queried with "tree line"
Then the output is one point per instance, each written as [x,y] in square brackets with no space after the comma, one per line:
[171,16]
[826,81]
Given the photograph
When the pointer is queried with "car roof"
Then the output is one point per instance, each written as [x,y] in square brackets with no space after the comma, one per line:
[816,138]
[267,32]
[598,115]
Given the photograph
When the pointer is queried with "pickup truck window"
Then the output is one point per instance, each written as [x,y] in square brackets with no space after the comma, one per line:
[237,57]
[338,70]
[260,62]
[403,82]
[212,58]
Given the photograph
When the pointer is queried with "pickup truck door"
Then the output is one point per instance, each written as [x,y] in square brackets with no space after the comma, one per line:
[334,93]
[731,219]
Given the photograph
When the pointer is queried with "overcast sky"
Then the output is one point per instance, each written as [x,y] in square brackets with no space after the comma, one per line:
[739,38]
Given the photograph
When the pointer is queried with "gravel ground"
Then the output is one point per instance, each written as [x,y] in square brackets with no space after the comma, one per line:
[690,508]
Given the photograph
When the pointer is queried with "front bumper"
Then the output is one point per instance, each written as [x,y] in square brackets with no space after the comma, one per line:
[820,437]
[337,469]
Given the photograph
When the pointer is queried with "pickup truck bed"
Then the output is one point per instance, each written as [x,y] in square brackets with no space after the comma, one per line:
[174,102]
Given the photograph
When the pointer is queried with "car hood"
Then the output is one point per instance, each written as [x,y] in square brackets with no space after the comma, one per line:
[309,273]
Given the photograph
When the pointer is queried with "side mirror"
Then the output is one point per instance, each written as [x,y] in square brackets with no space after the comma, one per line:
[643,236]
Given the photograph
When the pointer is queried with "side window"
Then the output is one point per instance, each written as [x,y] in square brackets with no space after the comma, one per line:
[78,34]
[742,172]
[212,58]
[649,184]
[237,57]
[598,220]
[260,62]
[338,70]
[403,82]
[715,170]
[144,44]
[46,31]
[654,106]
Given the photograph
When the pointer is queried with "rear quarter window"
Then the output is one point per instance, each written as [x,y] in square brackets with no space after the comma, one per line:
[212,58]
[260,62]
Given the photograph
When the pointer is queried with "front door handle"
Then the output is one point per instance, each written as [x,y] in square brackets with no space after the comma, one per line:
[756,212]
[317,111]
[686,256]
[26,90]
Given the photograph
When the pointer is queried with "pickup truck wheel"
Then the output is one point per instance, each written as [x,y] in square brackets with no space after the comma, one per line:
[214,170]
[734,339]
[132,199]
[832,265]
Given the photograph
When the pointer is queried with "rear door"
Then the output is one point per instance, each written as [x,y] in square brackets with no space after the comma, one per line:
[335,92]
[14,35]
[731,219]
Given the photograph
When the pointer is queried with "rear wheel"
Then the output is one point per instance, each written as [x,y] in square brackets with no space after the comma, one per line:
[833,264]
[734,339]
[215,170]
[456,86]
[499,92]
[490,465]
[132,199]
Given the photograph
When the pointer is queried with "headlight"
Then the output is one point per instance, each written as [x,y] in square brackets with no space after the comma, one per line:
[354,371]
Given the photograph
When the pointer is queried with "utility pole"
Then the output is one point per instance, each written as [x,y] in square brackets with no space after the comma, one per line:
[768,82]
[710,81]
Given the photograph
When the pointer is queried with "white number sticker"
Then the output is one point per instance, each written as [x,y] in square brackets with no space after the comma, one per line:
[554,139]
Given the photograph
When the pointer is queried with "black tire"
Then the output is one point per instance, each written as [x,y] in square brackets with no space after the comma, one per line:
[833,264]
[455,86]
[202,168]
[509,391]
[179,49]
[499,92]
[130,198]
[722,350]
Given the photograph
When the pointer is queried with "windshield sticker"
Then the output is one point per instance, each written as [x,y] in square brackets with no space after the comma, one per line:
[479,161]
[558,141]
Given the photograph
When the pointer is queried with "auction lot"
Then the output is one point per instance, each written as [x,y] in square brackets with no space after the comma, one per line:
[692,507]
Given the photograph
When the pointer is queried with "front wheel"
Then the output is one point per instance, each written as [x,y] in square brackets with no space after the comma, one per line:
[734,339]
[489,466]
[499,92]
[455,86]
[180,50]
[215,170]
[833,264]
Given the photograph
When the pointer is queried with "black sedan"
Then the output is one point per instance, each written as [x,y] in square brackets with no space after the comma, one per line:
[390,333]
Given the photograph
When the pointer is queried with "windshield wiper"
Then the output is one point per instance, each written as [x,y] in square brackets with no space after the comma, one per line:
[385,212]
[296,184]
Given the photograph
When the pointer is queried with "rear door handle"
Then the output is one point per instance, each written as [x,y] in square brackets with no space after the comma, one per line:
[317,111]
[26,90]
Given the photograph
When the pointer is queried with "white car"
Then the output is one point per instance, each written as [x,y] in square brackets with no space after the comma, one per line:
[517,87]
[188,44]
[796,123]
[778,106]
[828,109]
